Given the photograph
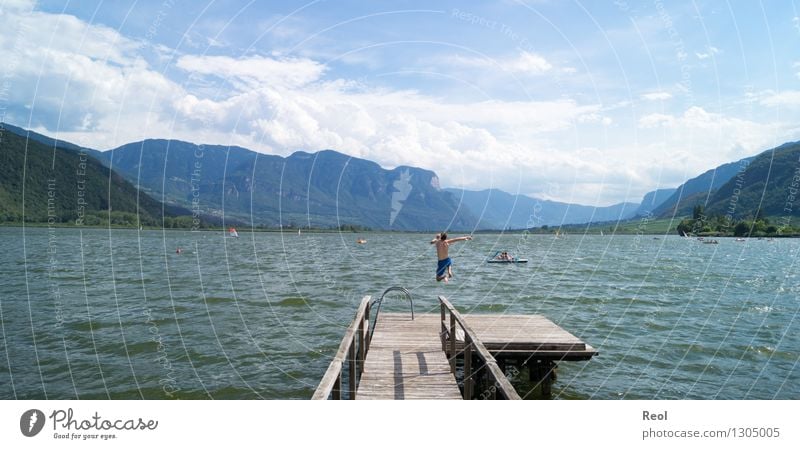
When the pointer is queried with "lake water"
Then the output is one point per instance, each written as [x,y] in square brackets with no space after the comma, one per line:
[92,313]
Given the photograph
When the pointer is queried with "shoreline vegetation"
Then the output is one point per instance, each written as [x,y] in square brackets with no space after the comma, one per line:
[698,225]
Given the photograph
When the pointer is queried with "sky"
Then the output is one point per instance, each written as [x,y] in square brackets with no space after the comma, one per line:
[588,102]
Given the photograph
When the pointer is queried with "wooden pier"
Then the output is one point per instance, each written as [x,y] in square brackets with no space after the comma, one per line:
[414,357]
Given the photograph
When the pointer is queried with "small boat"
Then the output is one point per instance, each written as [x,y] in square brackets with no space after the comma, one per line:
[710,242]
[504,257]
[232,233]
[361,241]
[741,240]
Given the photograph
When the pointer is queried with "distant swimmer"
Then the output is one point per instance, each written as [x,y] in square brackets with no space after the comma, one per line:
[444,269]
[179,250]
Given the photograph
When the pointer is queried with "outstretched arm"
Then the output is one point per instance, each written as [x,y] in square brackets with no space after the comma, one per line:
[459,239]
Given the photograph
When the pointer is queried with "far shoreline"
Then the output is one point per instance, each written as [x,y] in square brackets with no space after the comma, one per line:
[573,232]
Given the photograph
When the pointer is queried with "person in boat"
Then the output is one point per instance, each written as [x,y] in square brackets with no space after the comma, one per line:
[444,268]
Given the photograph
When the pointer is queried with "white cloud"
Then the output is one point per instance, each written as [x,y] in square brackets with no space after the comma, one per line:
[67,74]
[523,63]
[783,98]
[255,71]
[595,118]
[656,96]
[710,51]
[720,137]
[17,5]
[655,120]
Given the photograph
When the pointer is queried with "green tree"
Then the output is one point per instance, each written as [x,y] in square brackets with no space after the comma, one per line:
[697,212]
[742,229]
[685,227]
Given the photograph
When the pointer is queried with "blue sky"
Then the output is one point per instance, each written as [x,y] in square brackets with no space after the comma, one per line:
[588,102]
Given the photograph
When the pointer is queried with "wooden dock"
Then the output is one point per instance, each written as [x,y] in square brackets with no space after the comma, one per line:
[415,358]
[406,361]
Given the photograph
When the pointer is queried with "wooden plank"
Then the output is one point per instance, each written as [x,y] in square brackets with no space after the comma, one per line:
[406,361]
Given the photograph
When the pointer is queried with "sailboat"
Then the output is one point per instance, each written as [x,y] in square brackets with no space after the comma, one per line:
[601,233]
[232,233]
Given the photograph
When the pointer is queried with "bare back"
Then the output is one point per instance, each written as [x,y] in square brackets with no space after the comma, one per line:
[442,249]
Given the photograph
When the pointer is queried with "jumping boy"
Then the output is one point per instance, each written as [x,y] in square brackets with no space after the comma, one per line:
[444,269]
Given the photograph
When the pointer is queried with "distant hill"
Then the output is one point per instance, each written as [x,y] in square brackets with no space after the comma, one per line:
[41,138]
[699,189]
[653,200]
[66,185]
[770,182]
[323,189]
[501,210]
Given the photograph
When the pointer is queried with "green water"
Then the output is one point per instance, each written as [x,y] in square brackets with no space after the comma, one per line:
[118,314]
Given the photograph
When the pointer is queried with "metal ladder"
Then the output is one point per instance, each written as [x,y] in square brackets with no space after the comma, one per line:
[376,305]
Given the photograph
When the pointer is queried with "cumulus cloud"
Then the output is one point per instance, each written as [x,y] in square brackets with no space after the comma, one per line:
[656,96]
[718,136]
[782,98]
[523,63]
[709,52]
[655,120]
[255,71]
[75,76]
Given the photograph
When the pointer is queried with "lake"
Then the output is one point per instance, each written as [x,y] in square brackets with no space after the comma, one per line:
[94,313]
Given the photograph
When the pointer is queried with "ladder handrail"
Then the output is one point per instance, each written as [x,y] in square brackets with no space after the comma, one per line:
[376,305]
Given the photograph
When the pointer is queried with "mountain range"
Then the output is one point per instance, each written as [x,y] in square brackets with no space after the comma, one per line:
[323,189]
[331,189]
[497,209]
[699,189]
[766,185]
[41,182]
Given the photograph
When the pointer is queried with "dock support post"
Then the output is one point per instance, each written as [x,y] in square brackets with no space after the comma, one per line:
[444,329]
[368,337]
[542,372]
[469,379]
[337,387]
[452,355]
[361,349]
[352,375]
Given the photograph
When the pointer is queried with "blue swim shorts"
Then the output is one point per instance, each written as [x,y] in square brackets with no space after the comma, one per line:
[441,267]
